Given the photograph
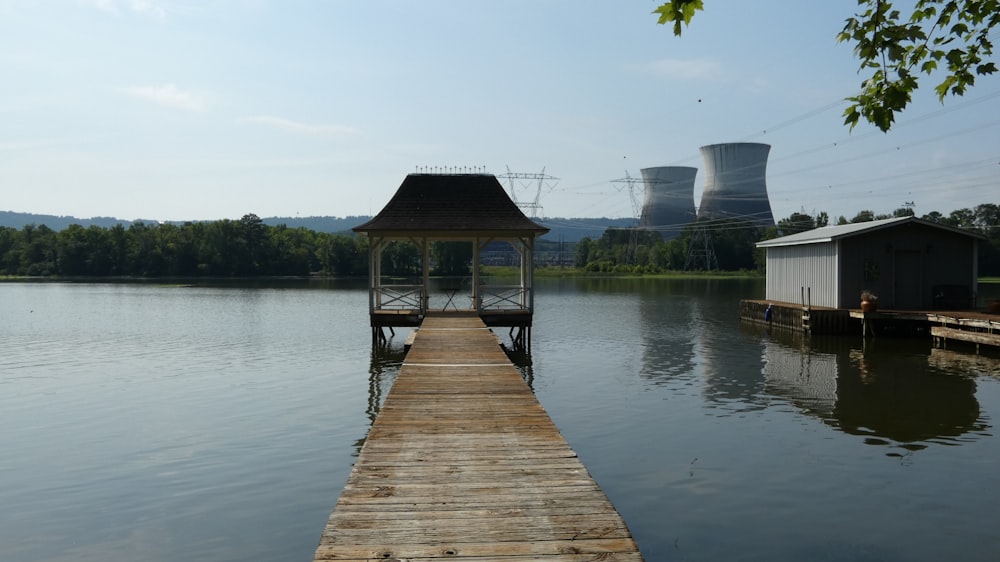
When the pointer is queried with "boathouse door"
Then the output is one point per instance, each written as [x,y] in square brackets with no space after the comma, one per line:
[907,280]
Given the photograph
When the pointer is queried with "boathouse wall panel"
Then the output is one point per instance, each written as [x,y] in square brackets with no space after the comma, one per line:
[910,267]
[810,266]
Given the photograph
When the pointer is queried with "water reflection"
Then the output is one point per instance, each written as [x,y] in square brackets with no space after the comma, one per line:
[984,363]
[892,392]
[521,358]
[893,395]
[383,369]
[688,337]
[670,324]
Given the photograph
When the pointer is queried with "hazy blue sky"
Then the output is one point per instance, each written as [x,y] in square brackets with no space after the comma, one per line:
[208,109]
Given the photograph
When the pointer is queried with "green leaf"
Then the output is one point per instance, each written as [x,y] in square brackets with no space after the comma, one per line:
[852,116]
[678,12]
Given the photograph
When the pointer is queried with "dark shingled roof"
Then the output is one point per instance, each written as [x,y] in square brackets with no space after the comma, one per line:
[451,203]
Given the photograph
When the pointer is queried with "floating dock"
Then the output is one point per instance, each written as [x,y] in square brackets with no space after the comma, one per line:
[980,330]
[814,319]
[463,463]
[974,327]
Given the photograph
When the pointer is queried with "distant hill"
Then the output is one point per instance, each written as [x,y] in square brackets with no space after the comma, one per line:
[562,229]
[20,220]
[318,224]
[573,230]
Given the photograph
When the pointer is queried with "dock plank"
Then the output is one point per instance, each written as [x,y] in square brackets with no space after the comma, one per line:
[463,463]
[978,338]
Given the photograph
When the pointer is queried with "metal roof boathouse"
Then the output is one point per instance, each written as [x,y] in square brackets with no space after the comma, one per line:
[910,263]
[472,208]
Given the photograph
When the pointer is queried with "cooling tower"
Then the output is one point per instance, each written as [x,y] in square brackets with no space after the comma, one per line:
[668,204]
[735,186]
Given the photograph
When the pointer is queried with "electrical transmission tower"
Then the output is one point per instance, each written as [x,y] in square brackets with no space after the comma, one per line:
[633,238]
[701,252]
[523,182]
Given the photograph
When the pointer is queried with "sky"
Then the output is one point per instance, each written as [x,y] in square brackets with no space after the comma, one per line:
[212,109]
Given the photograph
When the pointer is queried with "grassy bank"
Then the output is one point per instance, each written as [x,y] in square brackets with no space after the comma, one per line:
[562,272]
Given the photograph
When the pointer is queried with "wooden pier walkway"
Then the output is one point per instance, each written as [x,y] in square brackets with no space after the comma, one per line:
[463,463]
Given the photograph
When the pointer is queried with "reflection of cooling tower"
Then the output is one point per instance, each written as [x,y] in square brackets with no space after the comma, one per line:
[669,201]
[735,185]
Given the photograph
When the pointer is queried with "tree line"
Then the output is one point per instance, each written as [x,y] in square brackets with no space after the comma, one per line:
[730,244]
[247,247]
[224,248]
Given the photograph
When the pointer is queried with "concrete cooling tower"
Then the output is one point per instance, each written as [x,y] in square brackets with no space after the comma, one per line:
[668,203]
[735,185]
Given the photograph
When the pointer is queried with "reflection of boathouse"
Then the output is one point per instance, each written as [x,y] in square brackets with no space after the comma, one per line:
[889,395]
[465,208]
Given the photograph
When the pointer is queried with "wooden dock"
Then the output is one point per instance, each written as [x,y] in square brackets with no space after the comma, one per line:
[463,463]
[977,329]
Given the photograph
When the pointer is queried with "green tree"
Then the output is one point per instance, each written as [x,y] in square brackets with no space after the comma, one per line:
[894,48]
[796,222]
[987,218]
[72,250]
[9,240]
[38,251]
[670,254]
[735,241]
[864,216]
[251,245]
[402,259]
[962,218]
[583,251]
[117,249]
[987,221]
[293,251]
[451,258]
[934,216]
[345,255]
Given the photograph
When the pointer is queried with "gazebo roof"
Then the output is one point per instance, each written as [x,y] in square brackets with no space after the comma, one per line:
[451,204]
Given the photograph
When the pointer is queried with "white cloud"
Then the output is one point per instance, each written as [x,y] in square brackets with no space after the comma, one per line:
[147,8]
[170,96]
[300,128]
[103,5]
[690,69]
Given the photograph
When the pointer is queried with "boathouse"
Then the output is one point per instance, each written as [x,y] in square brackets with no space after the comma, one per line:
[464,208]
[909,263]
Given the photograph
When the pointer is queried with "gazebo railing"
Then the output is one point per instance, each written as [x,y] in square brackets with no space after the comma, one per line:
[399,297]
[503,297]
[492,298]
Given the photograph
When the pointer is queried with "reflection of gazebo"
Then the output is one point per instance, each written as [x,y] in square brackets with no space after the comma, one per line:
[470,208]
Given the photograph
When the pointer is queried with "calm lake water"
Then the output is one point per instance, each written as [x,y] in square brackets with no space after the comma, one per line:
[147,422]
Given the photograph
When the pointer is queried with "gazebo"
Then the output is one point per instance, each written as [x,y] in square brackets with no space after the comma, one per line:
[470,208]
